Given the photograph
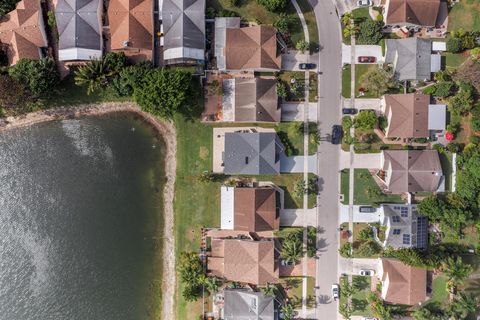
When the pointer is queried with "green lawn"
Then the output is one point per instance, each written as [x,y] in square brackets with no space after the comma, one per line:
[453,60]
[366,191]
[344,185]
[293,131]
[375,144]
[359,297]
[360,70]
[69,94]
[446,161]
[439,290]
[346,80]
[250,10]
[293,288]
[361,14]
[310,20]
[313,90]
[465,14]
[299,76]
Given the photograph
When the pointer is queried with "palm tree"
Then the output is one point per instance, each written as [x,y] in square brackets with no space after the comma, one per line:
[456,270]
[346,18]
[287,311]
[93,74]
[292,249]
[346,311]
[212,284]
[462,306]
[270,290]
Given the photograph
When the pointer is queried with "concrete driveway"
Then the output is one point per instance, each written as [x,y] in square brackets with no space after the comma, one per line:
[292,59]
[354,265]
[296,217]
[360,160]
[365,104]
[360,217]
[294,111]
[361,51]
[294,164]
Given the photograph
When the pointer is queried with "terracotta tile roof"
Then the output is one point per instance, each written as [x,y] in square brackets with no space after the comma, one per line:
[252,48]
[412,170]
[132,21]
[403,284]
[407,115]
[23,31]
[412,12]
[255,209]
[244,261]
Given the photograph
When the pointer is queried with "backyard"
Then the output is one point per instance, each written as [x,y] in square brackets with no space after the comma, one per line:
[366,191]
[464,14]
[446,162]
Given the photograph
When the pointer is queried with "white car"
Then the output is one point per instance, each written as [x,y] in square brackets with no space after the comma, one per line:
[364,3]
[367,273]
[368,318]
[335,291]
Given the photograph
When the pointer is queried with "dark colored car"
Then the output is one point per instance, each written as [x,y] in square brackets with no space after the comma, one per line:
[367,209]
[349,111]
[336,134]
[307,66]
[367,59]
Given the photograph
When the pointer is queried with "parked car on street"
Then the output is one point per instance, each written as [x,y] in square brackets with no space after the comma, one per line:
[367,272]
[307,66]
[336,134]
[364,59]
[367,209]
[364,3]
[349,111]
[335,291]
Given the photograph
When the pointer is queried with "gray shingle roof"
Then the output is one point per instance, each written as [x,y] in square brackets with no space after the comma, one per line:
[252,153]
[184,25]
[246,305]
[410,58]
[78,24]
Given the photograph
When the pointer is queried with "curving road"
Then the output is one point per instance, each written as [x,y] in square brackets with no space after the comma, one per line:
[330,67]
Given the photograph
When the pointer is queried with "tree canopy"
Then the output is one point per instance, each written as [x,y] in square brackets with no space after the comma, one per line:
[6,6]
[366,119]
[370,32]
[15,97]
[273,5]
[40,76]
[378,80]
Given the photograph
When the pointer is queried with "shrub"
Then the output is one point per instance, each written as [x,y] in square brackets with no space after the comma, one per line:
[366,234]
[281,89]
[462,102]
[454,45]
[369,248]
[429,90]
[474,139]
[444,89]
[366,120]
[378,80]
[420,140]
[361,146]
[273,5]
[382,122]
[302,46]
[283,23]
[40,76]
[347,122]
[454,147]
[51,21]
[370,32]
[345,250]
[475,124]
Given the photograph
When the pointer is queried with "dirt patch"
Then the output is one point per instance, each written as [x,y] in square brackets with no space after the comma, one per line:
[204,152]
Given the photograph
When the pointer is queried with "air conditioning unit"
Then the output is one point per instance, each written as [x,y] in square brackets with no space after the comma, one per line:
[125,43]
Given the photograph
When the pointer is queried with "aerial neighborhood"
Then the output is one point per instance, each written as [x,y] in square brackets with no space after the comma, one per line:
[327,152]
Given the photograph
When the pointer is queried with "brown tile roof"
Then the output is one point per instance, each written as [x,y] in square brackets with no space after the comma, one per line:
[132,21]
[403,284]
[22,31]
[412,12]
[412,170]
[252,48]
[255,209]
[244,261]
[256,100]
[407,115]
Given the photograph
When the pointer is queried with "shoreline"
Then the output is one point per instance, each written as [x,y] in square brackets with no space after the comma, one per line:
[168,133]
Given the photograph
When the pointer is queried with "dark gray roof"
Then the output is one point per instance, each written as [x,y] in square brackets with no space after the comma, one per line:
[78,24]
[247,305]
[252,153]
[184,24]
[410,58]
[256,100]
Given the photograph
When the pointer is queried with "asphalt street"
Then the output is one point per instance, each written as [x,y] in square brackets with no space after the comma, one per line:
[329,113]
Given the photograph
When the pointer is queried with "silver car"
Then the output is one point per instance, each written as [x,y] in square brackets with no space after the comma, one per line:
[364,3]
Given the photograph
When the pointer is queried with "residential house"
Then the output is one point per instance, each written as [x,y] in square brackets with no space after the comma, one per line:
[246,49]
[244,260]
[411,170]
[131,27]
[79,24]
[412,58]
[250,209]
[252,151]
[402,284]
[22,32]
[250,100]
[183,25]
[411,13]
[412,116]
[405,228]
[245,304]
